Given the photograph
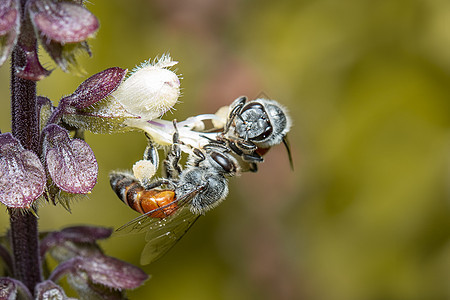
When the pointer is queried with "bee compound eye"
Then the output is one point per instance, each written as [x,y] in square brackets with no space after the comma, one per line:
[255,106]
[267,131]
[222,161]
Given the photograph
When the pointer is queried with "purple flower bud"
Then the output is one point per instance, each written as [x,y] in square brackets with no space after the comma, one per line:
[96,88]
[113,273]
[22,177]
[86,274]
[62,28]
[70,163]
[86,234]
[64,22]
[93,107]
[66,250]
[76,234]
[48,290]
[11,289]
[9,27]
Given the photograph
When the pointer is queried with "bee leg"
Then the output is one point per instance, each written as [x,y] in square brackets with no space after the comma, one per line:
[253,167]
[158,183]
[151,153]
[172,167]
[145,169]
[200,156]
[234,112]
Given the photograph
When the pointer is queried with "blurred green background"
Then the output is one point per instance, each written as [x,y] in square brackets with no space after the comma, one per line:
[365,214]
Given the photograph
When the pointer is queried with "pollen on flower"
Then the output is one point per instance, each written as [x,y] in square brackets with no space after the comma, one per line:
[151,89]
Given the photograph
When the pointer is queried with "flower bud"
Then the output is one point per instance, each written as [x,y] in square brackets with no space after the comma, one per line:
[11,288]
[91,108]
[151,90]
[63,28]
[48,290]
[63,243]
[70,163]
[9,27]
[22,176]
[98,276]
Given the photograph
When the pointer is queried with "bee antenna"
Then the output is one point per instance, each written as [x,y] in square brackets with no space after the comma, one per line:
[288,149]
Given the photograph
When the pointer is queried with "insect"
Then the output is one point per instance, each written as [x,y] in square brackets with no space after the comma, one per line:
[247,128]
[264,122]
[169,206]
[253,127]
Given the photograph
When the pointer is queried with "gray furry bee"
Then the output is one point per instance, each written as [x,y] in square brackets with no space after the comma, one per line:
[263,122]
[253,127]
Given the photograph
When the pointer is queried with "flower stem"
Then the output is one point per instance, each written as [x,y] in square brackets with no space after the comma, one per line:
[24,229]
[25,245]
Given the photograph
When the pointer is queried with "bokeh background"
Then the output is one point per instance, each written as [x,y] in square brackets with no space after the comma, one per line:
[365,213]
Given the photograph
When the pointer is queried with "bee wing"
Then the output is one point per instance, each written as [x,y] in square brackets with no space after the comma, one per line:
[137,225]
[162,235]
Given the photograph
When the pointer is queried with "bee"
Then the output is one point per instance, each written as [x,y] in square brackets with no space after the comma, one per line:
[264,122]
[170,206]
[247,128]
[253,127]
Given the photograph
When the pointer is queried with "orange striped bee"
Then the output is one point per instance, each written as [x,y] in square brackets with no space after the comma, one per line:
[169,206]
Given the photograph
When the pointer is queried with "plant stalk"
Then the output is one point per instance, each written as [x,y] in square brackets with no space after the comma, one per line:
[24,236]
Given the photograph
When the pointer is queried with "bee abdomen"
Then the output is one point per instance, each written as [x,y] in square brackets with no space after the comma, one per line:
[133,194]
[127,188]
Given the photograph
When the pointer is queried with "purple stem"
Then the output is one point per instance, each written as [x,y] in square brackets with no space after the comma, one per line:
[24,231]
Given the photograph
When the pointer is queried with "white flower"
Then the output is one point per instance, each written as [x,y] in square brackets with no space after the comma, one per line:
[151,89]
[189,131]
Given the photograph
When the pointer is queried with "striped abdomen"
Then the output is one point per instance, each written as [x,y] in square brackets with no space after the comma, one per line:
[129,190]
